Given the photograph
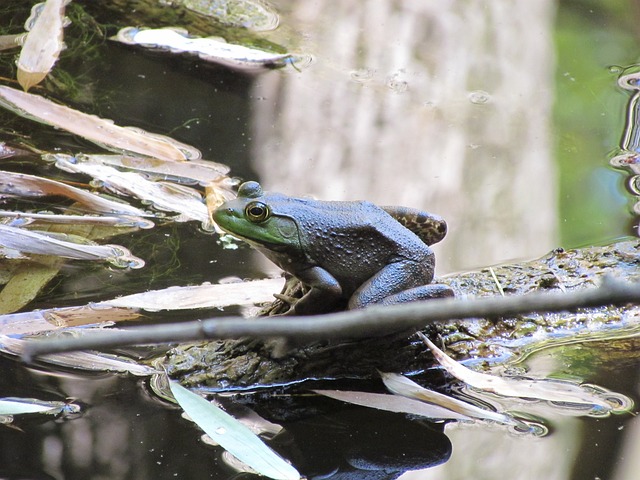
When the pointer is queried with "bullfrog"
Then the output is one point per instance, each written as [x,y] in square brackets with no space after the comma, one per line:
[343,251]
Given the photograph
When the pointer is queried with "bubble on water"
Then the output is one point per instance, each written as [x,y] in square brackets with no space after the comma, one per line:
[397,83]
[479,97]
[362,75]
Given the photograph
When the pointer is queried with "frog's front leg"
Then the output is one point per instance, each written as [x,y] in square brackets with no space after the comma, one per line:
[399,282]
[324,291]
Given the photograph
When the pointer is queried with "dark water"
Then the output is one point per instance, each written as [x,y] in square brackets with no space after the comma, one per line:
[126,432]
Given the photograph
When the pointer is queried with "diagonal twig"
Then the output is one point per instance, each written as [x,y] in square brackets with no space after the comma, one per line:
[368,322]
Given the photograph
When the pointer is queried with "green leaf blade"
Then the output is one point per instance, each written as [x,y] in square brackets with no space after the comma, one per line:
[233,436]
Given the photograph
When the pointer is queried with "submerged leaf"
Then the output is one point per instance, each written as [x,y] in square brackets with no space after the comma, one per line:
[43,44]
[394,403]
[25,283]
[232,435]
[209,49]
[98,130]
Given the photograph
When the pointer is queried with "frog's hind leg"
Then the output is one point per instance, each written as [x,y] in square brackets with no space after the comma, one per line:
[399,282]
[423,292]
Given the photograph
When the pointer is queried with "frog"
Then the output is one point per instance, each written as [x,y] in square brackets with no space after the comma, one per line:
[353,253]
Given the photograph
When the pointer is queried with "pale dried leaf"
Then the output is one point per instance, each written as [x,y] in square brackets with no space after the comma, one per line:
[90,361]
[95,129]
[12,41]
[162,195]
[393,403]
[125,221]
[43,44]
[209,49]
[41,243]
[201,296]
[23,185]
[542,389]
[192,171]
[401,385]
[18,406]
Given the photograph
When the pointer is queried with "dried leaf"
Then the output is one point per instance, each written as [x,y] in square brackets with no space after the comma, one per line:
[401,385]
[232,435]
[41,243]
[12,41]
[29,323]
[394,403]
[26,218]
[23,185]
[542,389]
[43,44]
[162,195]
[209,49]
[98,130]
[188,172]
[18,406]
[201,296]
[90,361]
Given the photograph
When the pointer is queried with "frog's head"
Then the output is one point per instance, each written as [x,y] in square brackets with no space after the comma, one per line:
[254,217]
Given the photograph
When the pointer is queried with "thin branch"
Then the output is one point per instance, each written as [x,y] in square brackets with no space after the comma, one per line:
[368,322]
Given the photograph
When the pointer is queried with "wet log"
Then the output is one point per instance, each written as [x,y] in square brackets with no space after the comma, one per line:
[230,364]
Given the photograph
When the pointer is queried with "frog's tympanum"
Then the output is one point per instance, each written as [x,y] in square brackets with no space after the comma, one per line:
[343,251]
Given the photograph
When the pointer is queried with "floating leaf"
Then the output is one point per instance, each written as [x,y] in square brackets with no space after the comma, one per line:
[95,129]
[12,41]
[89,361]
[18,406]
[43,44]
[541,389]
[23,185]
[41,243]
[29,323]
[401,385]
[394,403]
[232,435]
[209,49]
[198,171]
[201,296]
[27,217]
[162,195]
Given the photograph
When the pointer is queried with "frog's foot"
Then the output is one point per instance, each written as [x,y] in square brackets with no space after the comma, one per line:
[288,301]
[423,292]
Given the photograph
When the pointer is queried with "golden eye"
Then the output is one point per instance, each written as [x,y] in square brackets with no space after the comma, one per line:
[257,212]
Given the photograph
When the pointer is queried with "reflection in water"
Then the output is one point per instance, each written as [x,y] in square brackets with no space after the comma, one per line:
[629,155]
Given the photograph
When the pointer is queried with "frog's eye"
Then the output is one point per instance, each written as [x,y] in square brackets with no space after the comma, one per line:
[257,212]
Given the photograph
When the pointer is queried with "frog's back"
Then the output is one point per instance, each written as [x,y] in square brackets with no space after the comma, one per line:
[353,240]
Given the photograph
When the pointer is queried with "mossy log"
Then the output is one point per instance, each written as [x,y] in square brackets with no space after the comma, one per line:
[230,364]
